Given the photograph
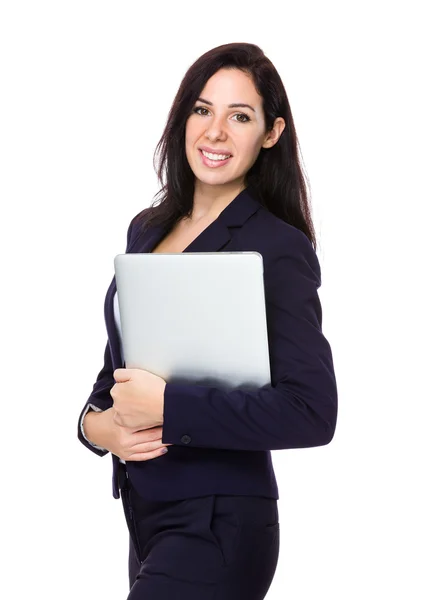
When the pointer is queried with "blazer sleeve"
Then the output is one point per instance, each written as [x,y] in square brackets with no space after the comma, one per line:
[299,408]
[100,397]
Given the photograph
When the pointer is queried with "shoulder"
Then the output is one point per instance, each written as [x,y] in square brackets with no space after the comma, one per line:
[286,246]
[135,225]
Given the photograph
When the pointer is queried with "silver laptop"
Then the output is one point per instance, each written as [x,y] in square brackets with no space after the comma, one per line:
[195,317]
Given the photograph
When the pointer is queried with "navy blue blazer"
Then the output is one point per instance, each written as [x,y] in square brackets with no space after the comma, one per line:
[222,440]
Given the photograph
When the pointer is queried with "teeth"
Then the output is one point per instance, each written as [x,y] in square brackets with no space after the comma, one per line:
[215,156]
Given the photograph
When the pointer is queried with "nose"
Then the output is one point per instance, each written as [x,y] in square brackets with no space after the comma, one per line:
[215,130]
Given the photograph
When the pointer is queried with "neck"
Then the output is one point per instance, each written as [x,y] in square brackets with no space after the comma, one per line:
[210,200]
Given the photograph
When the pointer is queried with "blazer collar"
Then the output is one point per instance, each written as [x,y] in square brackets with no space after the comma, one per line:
[212,239]
[216,235]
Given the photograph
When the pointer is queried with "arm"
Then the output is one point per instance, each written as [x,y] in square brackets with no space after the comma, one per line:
[299,408]
[100,398]
[90,408]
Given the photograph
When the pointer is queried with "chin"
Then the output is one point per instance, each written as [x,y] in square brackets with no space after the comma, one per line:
[215,179]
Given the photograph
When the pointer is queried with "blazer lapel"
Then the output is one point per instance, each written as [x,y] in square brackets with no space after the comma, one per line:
[212,239]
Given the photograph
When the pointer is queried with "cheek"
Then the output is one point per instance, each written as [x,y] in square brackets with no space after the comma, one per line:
[191,130]
[191,138]
[188,141]
[250,150]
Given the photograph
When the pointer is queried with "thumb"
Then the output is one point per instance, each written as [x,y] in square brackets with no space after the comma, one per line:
[121,375]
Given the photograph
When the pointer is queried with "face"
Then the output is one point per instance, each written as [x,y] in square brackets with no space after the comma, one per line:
[238,131]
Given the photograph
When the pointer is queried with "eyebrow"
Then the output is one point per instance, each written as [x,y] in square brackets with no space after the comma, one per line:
[234,105]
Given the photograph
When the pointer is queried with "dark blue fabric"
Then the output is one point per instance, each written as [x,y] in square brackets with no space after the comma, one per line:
[222,441]
[207,548]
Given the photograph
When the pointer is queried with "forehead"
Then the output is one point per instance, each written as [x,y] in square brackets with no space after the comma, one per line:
[231,85]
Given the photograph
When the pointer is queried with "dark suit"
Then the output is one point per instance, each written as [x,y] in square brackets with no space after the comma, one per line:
[222,440]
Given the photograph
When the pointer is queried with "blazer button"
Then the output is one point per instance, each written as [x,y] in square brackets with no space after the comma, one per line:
[185,439]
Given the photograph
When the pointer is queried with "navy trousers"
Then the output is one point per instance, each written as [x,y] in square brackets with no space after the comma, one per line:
[214,547]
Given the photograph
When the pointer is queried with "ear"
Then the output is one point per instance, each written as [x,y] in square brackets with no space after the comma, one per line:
[274,135]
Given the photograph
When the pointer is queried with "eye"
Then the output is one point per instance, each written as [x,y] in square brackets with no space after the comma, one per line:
[242,115]
[197,108]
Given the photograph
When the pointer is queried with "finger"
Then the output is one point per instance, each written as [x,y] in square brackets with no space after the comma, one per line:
[142,437]
[143,456]
[145,446]
[122,375]
[147,435]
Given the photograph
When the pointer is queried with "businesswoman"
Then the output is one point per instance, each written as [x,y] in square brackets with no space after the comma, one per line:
[203,516]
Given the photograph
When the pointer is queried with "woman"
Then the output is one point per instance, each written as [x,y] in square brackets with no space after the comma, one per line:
[203,516]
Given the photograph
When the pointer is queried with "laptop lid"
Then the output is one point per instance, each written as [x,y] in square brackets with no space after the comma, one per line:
[197,317]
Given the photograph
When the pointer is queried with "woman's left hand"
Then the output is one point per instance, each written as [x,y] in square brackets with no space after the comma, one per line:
[138,398]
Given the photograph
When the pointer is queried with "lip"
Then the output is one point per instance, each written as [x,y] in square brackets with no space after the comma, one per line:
[213,164]
[215,151]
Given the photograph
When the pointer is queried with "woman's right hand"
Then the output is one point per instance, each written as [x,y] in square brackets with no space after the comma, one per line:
[128,444]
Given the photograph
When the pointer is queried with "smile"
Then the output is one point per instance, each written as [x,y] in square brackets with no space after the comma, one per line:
[213,160]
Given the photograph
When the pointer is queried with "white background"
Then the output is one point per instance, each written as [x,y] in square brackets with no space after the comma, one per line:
[85,91]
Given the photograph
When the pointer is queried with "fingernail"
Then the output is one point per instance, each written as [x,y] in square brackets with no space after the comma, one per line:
[164,450]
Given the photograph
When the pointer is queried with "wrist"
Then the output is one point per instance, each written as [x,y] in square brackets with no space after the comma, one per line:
[95,427]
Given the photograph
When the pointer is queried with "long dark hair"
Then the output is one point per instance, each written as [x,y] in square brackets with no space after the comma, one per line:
[276,179]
